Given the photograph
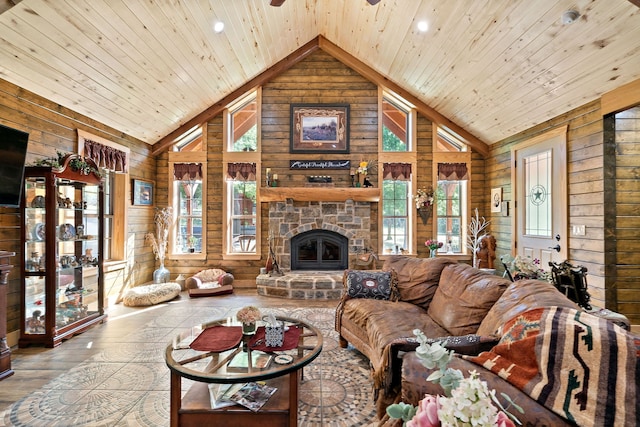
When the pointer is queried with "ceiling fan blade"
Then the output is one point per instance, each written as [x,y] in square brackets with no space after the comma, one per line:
[373,2]
[277,3]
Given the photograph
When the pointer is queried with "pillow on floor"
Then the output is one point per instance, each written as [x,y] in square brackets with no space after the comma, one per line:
[151,294]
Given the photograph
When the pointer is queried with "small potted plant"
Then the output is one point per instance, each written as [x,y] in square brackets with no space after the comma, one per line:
[191,243]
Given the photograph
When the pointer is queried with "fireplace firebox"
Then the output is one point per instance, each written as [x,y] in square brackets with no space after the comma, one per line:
[319,250]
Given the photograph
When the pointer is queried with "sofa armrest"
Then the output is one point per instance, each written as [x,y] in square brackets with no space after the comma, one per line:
[415,385]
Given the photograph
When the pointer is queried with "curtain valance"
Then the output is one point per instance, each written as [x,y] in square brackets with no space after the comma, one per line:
[453,171]
[241,171]
[397,171]
[105,157]
[187,171]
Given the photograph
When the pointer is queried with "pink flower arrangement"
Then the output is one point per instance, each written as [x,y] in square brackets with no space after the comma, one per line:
[249,314]
[433,244]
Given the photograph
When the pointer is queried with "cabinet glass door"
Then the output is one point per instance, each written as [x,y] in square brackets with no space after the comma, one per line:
[34,251]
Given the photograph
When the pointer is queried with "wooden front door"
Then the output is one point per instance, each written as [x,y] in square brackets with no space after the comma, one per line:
[539,173]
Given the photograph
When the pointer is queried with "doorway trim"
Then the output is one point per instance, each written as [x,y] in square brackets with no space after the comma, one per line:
[560,131]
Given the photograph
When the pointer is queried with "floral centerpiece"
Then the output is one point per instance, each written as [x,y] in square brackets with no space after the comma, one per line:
[467,401]
[248,316]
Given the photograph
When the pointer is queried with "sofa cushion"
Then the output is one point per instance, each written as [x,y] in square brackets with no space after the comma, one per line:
[370,284]
[384,321]
[417,277]
[464,297]
[520,296]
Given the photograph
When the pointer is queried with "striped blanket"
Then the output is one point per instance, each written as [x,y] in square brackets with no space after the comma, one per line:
[583,368]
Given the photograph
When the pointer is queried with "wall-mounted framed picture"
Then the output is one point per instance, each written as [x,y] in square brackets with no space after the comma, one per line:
[319,128]
[142,192]
[496,199]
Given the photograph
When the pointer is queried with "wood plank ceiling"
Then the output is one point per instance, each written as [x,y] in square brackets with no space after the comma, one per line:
[493,67]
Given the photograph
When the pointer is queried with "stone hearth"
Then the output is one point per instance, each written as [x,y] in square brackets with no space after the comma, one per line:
[320,285]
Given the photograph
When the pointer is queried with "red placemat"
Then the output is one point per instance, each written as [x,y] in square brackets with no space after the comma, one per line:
[218,338]
[290,340]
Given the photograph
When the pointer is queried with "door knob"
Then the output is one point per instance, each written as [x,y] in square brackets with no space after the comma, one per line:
[556,248]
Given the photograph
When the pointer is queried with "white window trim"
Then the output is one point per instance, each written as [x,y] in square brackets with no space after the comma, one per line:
[410,156]
[187,157]
[241,157]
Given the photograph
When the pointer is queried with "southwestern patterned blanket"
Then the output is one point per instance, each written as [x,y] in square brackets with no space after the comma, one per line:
[582,367]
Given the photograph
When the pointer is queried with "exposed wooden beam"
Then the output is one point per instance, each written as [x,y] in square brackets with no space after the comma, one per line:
[277,3]
[636,2]
[366,71]
[281,66]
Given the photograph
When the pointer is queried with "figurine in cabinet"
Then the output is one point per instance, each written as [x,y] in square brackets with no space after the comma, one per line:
[35,324]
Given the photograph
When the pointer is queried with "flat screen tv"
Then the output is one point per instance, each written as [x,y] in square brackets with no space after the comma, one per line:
[13,153]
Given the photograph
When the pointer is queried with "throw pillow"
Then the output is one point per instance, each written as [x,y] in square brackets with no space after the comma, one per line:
[464,297]
[370,284]
[417,277]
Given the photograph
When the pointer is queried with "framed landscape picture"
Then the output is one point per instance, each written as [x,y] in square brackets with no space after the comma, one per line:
[319,128]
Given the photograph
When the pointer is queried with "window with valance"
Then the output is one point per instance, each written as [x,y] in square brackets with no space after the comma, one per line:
[188,194]
[396,224]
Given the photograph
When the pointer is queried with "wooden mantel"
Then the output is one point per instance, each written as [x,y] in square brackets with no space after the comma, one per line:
[319,194]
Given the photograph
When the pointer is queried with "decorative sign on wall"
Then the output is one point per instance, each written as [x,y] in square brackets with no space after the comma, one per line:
[319,164]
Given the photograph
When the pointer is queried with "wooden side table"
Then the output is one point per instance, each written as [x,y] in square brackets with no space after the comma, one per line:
[5,351]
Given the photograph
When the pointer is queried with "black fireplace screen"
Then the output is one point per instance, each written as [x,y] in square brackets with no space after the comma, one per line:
[319,250]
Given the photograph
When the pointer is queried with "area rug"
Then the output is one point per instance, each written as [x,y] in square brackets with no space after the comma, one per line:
[127,383]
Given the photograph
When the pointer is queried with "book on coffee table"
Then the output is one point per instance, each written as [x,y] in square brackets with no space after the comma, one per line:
[253,395]
[259,360]
[220,394]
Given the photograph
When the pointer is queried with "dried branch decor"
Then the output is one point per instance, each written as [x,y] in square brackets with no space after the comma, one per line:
[160,239]
[477,229]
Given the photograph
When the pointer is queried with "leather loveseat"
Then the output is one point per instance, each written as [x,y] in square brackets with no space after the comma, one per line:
[441,298]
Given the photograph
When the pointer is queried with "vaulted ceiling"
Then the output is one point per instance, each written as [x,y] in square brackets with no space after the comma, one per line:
[493,67]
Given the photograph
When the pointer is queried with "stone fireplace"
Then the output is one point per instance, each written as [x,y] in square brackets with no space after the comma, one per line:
[349,219]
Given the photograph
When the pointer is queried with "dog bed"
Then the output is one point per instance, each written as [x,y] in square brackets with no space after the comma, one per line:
[151,294]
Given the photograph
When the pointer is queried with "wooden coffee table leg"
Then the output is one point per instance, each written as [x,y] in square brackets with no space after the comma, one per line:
[293,398]
[176,399]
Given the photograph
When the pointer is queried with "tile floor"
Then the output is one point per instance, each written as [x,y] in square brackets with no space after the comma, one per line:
[114,374]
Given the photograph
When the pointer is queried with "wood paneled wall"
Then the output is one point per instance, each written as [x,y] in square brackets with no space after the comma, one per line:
[319,78]
[590,180]
[626,240]
[53,128]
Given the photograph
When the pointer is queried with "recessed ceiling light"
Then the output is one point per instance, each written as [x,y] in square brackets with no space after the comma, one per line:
[218,26]
[423,26]
[569,17]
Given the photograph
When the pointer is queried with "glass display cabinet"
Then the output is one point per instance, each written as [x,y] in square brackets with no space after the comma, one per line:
[61,264]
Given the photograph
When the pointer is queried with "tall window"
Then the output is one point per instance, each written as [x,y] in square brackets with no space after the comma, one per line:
[188,203]
[242,158]
[113,161]
[188,195]
[396,229]
[451,192]
[242,201]
[396,157]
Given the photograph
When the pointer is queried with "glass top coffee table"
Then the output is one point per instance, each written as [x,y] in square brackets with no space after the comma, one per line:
[218,360]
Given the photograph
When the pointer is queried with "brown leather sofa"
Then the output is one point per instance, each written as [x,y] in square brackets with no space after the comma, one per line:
[441,298]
